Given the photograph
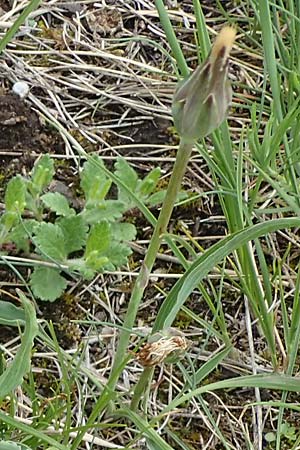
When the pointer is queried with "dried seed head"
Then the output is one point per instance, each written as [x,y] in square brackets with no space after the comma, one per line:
[201,101]
[162,348]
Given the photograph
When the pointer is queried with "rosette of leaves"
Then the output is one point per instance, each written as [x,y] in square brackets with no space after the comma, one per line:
[63,239]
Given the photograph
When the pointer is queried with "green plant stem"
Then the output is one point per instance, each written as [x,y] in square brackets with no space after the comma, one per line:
[16,25]
[181,162]
[141,387]
[182,158]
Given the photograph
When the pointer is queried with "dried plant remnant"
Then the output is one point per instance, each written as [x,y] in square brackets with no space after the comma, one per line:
[201,101]
[162,349]
[105,21]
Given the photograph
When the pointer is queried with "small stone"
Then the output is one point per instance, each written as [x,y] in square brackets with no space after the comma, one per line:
[21,88]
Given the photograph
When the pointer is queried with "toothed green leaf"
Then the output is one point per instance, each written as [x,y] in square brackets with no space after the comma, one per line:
[50,241]
[98,239]
[57,203]
[75,232]
[148,184]
[47,283]
[105,210]
[42,174]
[93,181]
[15,195]
[118,254]
[22,233]
[126,173]
[123,231]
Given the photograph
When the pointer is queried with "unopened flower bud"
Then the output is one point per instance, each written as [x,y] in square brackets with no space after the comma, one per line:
[201,101]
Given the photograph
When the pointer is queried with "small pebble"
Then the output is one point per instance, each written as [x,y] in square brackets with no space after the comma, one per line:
[21,88]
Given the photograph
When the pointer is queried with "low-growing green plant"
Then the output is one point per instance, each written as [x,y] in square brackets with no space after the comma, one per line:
[9,445]
[289,432]
[60,238]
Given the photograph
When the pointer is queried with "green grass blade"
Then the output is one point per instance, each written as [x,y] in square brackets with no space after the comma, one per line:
[271,67]
[206,262]
[171,37]
[146,430]
[13,375]
[202,33]
[210,365]
[31,431]
[32,5]
[269,54]
[263,381]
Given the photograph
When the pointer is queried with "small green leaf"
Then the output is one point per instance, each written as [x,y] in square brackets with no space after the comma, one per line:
[93,181]
[156,198]
[118,254]
[8,220]
[106,210]
[159,196]
[74,231]
[126,174]
[141,188]
[9,445]
[79,264]
[42,173]
[11,315]
[97,245]
[98,239]
[15,195]
[57,203]
[148,184]
[129,177]
[22,233]
[47,283]
[95,261]
[50,241]
[270,437]
[122,231]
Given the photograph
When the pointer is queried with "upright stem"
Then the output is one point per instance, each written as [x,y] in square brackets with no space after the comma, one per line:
[183,156]
[141,387]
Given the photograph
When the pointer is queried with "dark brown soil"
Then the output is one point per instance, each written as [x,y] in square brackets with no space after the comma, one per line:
[21,129]
[4,4]
[19,126]
[22,138]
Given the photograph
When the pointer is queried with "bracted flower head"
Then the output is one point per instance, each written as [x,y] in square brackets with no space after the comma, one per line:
[201,101]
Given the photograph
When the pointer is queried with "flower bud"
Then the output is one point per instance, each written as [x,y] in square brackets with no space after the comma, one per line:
[201,101]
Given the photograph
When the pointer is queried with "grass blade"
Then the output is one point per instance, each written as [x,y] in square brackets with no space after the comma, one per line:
[32,5]
[13,375]
[205,263]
